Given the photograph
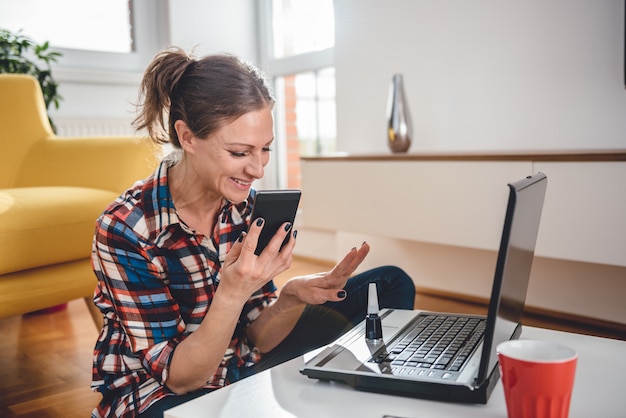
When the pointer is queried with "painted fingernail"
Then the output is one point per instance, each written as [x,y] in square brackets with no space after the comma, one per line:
[259,222]
[288,227]
[341,294]
[295,233]
[240,237]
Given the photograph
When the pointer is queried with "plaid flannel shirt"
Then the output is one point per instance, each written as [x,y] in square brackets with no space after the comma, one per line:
[156,280]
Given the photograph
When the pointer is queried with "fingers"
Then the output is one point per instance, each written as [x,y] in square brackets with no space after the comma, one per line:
[242,262]
[326,295]
[235,251]
[328,286]
[252,238]
[337,296]
[351,261]
[311,289]
[272,260]
[359,257]
[258,233]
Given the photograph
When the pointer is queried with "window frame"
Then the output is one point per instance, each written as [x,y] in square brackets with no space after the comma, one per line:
[284,66]
[151,34]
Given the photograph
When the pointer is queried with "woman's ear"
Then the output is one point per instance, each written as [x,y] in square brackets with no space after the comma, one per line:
[185,136]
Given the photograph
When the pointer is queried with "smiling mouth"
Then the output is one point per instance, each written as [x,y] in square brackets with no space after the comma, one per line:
[243,183]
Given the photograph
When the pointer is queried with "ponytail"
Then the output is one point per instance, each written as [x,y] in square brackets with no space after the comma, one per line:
[159,82]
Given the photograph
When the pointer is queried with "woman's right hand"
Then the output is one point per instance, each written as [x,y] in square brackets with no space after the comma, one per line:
[243,272]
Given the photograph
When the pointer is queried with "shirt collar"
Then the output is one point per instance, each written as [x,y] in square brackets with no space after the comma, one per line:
[163,209]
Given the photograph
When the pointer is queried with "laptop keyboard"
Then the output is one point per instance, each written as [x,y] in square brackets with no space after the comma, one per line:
[437,342]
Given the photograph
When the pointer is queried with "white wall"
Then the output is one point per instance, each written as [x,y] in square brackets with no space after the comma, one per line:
[483,74]
[215,26]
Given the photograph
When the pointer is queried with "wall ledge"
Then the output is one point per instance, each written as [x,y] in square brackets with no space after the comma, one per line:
[560,155]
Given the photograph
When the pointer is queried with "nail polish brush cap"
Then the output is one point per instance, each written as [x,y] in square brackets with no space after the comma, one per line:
[372,300]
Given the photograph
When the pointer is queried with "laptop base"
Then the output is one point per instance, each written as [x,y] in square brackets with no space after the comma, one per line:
[345,361]
[414,389]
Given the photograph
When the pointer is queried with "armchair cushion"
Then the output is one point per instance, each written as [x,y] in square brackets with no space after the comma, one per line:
[41,226]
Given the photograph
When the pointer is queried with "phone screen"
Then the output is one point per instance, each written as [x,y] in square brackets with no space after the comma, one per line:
[276,207]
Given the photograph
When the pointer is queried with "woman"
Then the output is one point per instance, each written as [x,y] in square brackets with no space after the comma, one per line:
[188,307]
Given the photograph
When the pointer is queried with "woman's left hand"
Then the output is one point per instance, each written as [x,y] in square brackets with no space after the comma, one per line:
[319,288]
[276,321]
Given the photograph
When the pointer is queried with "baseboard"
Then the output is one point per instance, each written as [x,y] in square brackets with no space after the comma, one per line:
[593,326]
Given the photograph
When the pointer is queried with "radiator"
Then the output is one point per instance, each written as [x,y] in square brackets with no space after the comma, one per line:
[93,126]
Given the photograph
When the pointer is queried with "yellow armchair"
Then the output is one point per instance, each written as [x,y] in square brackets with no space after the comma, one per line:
[52,189]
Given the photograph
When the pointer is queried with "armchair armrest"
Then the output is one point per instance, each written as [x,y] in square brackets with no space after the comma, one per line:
[107,163]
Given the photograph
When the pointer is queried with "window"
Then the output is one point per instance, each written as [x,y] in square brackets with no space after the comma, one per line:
[103,25]
[94,36]
[307,102]
[297,55]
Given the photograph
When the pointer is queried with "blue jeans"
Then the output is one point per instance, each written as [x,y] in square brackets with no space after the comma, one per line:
[321,324]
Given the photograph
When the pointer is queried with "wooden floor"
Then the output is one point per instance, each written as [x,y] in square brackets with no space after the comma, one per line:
[45,364]
[45,360]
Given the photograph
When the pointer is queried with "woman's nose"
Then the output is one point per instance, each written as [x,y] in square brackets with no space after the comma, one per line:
[256,168]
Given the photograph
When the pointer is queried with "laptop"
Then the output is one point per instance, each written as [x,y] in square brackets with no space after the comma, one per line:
[418,355]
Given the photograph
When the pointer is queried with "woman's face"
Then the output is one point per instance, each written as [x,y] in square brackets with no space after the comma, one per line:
[229,160]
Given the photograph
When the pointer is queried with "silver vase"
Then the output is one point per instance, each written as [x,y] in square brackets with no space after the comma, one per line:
[399,127]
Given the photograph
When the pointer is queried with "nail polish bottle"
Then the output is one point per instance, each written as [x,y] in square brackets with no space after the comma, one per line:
[373,325]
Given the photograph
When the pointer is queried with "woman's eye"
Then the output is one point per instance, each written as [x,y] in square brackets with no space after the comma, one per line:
[238,154]
[241,154]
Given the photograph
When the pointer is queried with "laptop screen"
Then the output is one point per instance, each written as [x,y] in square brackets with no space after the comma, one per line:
[517,248]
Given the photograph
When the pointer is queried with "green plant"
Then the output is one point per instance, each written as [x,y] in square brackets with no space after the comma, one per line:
[20,54]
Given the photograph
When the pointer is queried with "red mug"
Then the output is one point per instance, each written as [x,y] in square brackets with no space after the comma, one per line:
[538,378]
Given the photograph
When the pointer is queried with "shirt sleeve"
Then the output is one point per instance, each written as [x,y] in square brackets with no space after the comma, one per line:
[146,311]
[259,300]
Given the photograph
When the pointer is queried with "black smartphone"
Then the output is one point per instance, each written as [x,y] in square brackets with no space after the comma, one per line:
[276,207]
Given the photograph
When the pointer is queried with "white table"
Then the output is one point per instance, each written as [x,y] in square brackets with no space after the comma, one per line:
[599,391]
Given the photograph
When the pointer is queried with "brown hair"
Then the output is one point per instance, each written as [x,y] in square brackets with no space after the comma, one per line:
[204,93]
